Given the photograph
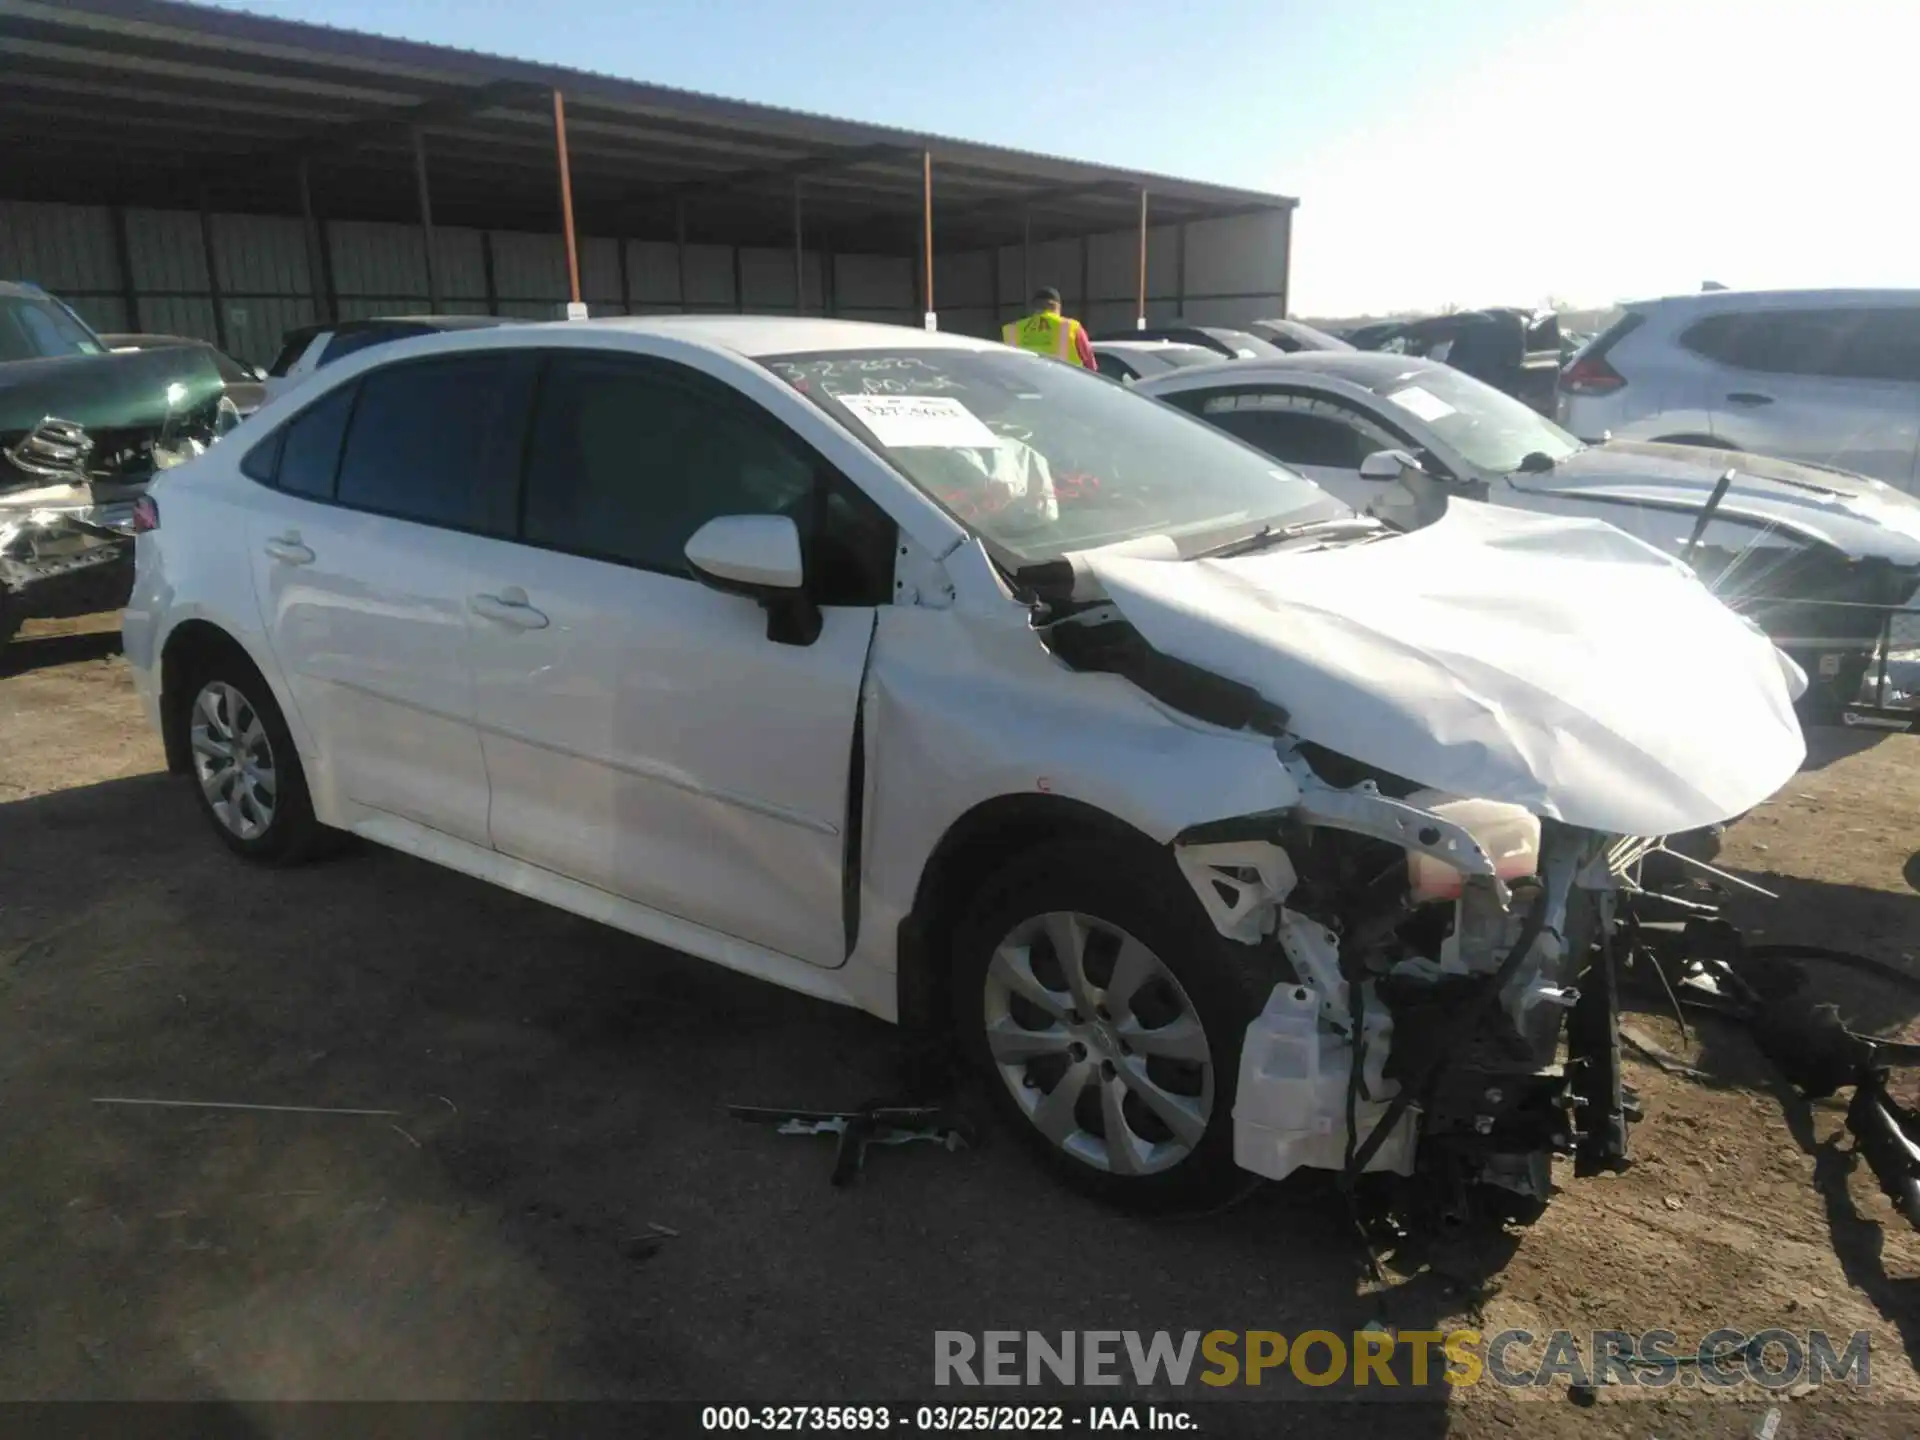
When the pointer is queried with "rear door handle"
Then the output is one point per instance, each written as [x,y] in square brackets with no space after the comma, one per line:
[288,550]
[1747,397]
[509,607]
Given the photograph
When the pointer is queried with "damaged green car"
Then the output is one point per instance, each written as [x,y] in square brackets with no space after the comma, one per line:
[82,430]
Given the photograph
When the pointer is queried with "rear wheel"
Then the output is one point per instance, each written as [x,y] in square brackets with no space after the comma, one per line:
[1107,1015]
[245,770]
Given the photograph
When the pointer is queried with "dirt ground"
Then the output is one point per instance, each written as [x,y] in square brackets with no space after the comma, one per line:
[558,1207]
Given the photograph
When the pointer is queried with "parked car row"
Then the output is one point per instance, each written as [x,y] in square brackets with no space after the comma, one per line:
[933,677]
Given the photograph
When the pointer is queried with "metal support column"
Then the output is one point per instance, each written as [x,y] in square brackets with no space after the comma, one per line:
[123,253]
[1026,256]
[213,273]
[799,262]
[426,218]
[1086,273]
[486,272]
[324,307]
[680,248]
[1140,313]
[926,161]
[566,198]
[1180,271]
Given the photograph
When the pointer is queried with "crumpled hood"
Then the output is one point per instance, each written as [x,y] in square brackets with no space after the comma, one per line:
[1551,663]
[1860,516]
[116,391]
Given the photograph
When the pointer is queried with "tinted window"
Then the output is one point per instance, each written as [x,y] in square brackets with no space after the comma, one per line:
[1851,344]
[439,441]
[629,458]
[1296,437]
[262,462]
[1112,366]
[310,454]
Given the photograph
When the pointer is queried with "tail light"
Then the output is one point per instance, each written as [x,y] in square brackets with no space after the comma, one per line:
[146,515]
[1590,375]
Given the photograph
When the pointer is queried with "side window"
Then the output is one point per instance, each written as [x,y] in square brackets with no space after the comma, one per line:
[1846,344]
[1112,366]
[1882,345]
[439,441]
[310,453]
[1298,429]
[628,458]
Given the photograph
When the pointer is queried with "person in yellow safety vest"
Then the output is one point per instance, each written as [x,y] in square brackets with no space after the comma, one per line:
[1047,332]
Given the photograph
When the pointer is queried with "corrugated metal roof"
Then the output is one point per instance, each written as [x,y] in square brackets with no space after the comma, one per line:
[150,101]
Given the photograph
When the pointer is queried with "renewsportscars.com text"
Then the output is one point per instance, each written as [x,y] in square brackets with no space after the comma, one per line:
[1776,1359]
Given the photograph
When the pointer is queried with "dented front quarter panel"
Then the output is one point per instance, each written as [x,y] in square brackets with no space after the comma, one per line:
[964,705]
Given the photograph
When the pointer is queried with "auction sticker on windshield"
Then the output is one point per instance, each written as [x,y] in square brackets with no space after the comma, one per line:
[1424,403]
[934,422]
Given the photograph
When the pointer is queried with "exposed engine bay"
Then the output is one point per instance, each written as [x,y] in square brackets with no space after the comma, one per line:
[1437,948]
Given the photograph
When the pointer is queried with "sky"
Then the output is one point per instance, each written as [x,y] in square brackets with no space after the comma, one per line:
[1464,152]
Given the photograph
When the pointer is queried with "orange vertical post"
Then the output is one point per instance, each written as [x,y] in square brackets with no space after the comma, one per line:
[1140,316]
[926,159]
[566,194]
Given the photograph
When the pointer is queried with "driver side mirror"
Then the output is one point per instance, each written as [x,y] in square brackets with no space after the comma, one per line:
[1389,465]
[759,557]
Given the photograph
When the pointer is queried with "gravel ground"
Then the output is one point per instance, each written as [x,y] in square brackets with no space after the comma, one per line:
[559,1208]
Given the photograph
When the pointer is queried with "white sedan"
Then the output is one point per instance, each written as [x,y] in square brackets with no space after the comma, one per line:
[924,675]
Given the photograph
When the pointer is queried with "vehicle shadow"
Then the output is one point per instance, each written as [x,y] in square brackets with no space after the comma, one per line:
[551,1202]
[1829,744]
[40,652]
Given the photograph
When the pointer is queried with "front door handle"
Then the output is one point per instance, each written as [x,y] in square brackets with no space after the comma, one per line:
[509,607]
[1747,397]
[288,549]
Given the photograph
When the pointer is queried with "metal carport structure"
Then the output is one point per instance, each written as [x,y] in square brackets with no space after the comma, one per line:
[174,167]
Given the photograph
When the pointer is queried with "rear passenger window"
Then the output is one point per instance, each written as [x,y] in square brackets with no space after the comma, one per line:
[628,458]
[439,441]
[1842,344]
[310,454]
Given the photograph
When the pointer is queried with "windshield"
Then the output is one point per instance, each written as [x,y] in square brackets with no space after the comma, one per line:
[32,328]
[1040,458]
[1493,430]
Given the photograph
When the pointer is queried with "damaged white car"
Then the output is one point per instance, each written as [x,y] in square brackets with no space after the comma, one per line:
[1229,831]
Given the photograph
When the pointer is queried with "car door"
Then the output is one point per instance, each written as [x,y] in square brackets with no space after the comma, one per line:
[1835,386]
[642,733]
[1321,438]
[394,492]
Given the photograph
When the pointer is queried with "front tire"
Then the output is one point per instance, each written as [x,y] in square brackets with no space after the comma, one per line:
[245,770]
[1107,1015]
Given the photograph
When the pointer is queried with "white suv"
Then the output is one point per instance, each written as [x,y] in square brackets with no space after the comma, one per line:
[887,666]
[1830,377]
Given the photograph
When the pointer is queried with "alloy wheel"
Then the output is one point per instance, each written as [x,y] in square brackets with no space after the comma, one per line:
[233,760]
[1100,1046]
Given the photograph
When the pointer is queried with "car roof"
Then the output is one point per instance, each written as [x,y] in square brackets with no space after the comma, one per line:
[1367,369]
[756,336]
[1774,299]
[1149,346]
